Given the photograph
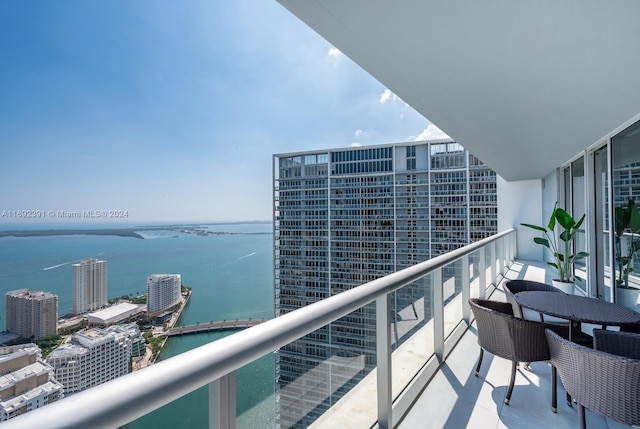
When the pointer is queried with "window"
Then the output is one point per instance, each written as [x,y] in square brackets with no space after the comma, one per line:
[625,149]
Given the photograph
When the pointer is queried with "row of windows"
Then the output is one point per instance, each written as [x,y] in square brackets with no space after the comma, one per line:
[450,160]
[362,154]
[363,167]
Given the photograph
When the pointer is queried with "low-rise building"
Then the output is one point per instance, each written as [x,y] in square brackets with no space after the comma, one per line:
[26,382]
[114,314]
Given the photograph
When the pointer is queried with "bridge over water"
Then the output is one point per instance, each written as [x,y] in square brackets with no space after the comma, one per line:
[224,325]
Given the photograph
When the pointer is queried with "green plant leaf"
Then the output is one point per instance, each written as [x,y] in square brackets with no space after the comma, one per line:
[564,219]
[552,219]
[536,227]
[621,220]
[542,241]
[579,223]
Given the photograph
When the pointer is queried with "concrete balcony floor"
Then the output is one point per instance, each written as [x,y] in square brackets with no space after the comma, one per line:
[455,398]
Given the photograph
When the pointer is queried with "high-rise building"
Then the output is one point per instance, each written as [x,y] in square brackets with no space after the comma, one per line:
[343,217]
[163,292]
[89,285]
[26,382]
[32,314]
[92,357]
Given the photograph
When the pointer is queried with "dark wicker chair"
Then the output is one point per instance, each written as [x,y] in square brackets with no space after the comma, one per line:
[561,326]
[512,287]
[509,337]
[605,383]
[617,343]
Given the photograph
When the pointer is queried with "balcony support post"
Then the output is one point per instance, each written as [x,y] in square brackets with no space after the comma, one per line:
[222,402]
[482,275]
[466,289]
[500,257]
[494,274]
[438,315]
[383,351]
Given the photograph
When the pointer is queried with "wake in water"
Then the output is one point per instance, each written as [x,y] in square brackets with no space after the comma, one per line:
[57,266]
[245,256]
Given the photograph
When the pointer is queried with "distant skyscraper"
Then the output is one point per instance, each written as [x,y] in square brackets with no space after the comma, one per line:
[89,285]
[92,357]
[343,217]
[163,292]
[32,314]
[26,382]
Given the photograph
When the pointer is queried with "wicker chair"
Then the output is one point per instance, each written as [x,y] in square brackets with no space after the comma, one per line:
[561,326]
[507,336]
[605,383]
[512,287]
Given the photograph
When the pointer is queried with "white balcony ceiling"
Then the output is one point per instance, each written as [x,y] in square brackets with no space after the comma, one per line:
[524,85]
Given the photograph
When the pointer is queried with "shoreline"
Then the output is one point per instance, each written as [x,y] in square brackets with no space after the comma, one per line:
[149,358]
[120,232]
[49,232]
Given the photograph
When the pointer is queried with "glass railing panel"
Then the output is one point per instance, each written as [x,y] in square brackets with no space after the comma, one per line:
[316,371]
[254,393]
[474,274]
[411,332]
[452,296]
[489,263]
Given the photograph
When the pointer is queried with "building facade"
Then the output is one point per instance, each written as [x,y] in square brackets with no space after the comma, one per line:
[163,292]
[26,382]
[32,314]
[92,357]
[344,217]
[89,285]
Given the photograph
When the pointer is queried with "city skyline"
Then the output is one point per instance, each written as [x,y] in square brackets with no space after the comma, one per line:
[155,112]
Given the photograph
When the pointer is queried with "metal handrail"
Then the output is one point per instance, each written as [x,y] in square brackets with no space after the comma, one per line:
[134,395]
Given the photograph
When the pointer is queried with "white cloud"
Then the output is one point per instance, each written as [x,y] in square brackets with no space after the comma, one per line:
[359,133]
[431,133]
[334,53]
[356,144]
[387,95]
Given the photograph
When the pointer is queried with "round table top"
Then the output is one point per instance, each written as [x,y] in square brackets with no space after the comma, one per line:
[578,308]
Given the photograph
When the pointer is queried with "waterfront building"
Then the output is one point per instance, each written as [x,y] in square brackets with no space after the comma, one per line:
[163,292]
[114,314]
[92,357]
[343,217]
[89,285]
[26,382]
[32,314]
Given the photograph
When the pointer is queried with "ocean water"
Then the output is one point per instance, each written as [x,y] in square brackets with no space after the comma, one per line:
[230,276]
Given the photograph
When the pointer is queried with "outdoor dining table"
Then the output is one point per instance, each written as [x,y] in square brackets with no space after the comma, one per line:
[579,309]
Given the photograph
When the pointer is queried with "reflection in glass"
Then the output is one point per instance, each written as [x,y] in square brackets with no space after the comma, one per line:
[626,187]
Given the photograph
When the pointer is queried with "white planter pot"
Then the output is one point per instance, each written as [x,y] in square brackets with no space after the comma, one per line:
[627,297]
[566,287]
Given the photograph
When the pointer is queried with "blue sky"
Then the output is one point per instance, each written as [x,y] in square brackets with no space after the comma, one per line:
[172,110]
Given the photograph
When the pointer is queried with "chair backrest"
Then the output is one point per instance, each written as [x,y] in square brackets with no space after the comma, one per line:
[603,382]
[618,343]
[509,337]
[512,287]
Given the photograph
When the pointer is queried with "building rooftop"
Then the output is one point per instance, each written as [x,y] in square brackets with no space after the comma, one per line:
[35,369]
[17,401]
[114,313]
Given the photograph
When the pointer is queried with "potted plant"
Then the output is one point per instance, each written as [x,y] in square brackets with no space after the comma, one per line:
[559,243]
[627,243]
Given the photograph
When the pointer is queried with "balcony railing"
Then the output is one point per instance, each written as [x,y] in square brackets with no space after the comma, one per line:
[129,397]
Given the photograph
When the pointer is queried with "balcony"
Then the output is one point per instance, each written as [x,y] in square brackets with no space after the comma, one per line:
[424,366]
